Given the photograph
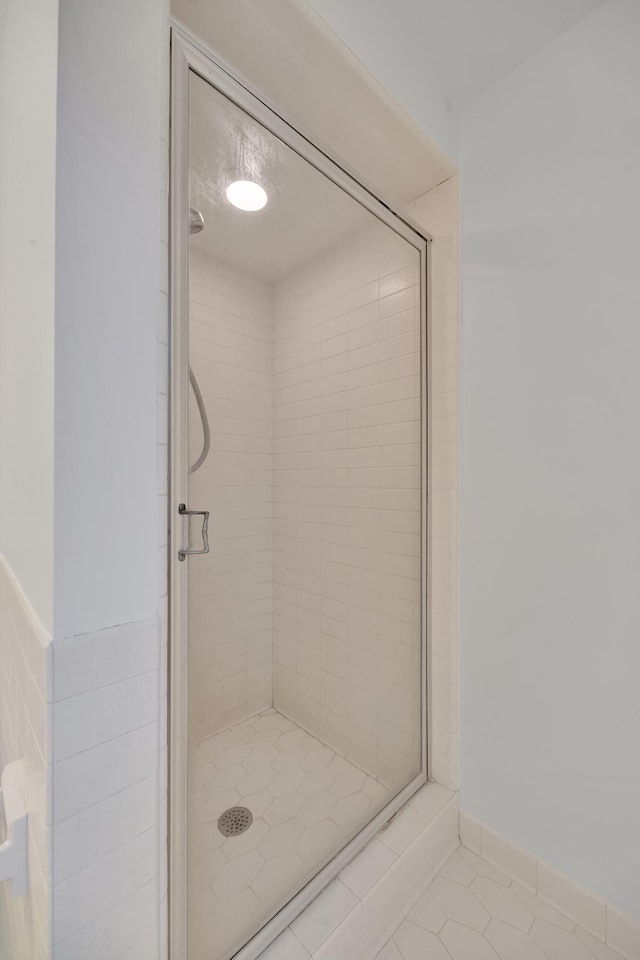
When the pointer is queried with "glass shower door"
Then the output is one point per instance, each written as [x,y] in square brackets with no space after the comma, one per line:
[302,636]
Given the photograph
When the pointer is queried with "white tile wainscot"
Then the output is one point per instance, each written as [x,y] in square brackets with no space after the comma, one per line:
[104,754]
[25,657]
[355,915]
[603,927]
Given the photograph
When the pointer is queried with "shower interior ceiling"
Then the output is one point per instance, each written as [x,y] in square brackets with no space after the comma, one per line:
[298,224]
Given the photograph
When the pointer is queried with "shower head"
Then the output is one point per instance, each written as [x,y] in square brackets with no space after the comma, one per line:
[196,221]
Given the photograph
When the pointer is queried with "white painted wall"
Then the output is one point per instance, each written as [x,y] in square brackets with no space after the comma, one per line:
[28,65]
[550,458]
[107,280]
[377,32]
[434,56]
[108,717]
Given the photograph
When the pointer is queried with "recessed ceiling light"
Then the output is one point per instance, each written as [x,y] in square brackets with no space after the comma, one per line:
[246,195]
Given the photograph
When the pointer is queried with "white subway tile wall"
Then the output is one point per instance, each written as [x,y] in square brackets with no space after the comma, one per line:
[346,377]
[230,589]
[104,823]
[25,650]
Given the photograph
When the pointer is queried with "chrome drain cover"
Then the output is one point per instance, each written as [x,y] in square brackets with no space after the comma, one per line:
[235,820]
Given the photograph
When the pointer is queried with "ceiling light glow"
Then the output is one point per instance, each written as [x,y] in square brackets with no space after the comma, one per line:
[246,195]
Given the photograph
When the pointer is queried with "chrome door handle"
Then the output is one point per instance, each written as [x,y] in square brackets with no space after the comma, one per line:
[182,510]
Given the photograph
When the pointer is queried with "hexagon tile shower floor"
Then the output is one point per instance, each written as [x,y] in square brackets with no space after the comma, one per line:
[303,797]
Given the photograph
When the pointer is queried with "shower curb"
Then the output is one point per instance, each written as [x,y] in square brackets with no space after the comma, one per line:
[417,841]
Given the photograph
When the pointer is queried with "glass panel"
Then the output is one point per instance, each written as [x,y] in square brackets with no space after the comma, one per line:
[304,618]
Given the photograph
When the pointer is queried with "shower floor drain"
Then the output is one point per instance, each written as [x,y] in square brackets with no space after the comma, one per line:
[235,820]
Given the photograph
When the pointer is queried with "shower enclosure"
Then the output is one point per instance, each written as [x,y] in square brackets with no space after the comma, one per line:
[298,516]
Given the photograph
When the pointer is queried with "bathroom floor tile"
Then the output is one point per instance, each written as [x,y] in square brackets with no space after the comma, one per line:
[306,802]
[472,911]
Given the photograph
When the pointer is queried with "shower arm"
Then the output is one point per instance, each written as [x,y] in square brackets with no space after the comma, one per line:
[206,440]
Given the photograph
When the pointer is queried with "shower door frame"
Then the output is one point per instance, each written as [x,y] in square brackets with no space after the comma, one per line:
[188,54]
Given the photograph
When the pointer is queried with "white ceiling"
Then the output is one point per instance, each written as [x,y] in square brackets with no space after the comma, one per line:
[306,214]
[467,44]
[284,50]
[460,47]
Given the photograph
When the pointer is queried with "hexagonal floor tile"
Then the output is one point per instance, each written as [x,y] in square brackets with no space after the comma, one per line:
[238,736]
[459,903]
[281,838]
[494,920]
[258,803]
[316,809]
[320,842]
[233,756]
[267,721]
[224,923]
[290,739]
[289,758]
[284,808]
[225,779]
[255,780]
[509,942]
[265,737]
[244,842]
[238,874]
[212,809]
[286,782]
[502,903]
[318,781]
[316,759]
[277,877]
[260,758]
[286,777]
[466,944]
[350,811]
[351,781]
[416,943]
